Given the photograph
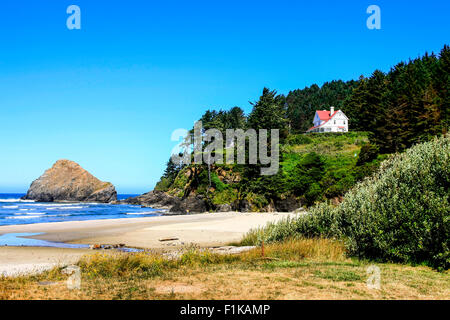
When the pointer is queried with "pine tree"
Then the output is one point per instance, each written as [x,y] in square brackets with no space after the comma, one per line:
[268,113]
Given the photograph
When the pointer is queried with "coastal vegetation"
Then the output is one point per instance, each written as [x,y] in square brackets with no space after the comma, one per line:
[400,214]
[312,168]
[382,191]
[388,112]
[293,269]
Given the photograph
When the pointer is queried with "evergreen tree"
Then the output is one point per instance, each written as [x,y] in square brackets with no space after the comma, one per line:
[268,113]
[408,105]
[441,84]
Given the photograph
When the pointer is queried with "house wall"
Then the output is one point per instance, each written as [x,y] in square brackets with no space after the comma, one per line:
[339,120]
[317,120]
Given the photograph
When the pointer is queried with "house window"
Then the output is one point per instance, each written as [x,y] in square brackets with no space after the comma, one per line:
[334,121]
[344,121]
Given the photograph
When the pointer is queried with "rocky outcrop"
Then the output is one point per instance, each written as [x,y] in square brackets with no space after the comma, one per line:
[243,206]
[191,204]
[68,181]
[162,200]
[224,208]
[288,204]
[154,199]
[198,204]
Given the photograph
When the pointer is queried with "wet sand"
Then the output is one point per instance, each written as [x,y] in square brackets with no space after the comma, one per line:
[213,229]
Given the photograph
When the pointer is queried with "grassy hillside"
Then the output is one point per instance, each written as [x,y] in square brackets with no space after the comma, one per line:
[337,158]
[313,167]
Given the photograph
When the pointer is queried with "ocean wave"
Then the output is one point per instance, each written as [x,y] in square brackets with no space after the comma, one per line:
[23,217]
[15,200]
[10,207]
[64,208]
[52,204]
[32,213]
[138,213]
[59,215]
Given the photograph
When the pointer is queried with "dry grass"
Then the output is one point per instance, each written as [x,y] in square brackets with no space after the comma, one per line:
[300,269]
[297,250]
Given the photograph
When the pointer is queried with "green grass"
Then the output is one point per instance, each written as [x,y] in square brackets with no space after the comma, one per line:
[338,275]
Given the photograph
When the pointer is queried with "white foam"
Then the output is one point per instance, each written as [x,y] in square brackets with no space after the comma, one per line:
[10,207]
[58,215]
[23,217]
[51,204]
[64,208]
[145,212]
[15,200]
[32,213]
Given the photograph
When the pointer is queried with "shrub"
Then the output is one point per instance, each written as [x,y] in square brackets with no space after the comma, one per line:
[219,185]
[163,184]
[299,139]
[256,201]
[226,196]
[368,153]
[305,177]
[400,214]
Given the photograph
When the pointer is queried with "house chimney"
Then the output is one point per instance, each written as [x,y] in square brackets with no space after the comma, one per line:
[331,111]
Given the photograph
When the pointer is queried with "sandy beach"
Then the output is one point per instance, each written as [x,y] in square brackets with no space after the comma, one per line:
[206,230]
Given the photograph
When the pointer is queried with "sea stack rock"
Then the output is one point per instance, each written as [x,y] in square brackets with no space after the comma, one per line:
[68,181]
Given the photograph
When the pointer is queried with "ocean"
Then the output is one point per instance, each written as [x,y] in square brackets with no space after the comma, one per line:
[14,211]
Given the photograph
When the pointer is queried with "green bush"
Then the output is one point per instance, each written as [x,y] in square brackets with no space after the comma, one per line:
[400,214]
[256,201]
[227,196]
[368,153]
[305,177]
[219,185]
[163,184]
[298,139]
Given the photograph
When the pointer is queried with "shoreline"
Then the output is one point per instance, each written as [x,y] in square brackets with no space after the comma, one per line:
[204,230]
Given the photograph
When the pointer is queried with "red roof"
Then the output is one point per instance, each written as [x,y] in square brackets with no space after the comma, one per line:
[324,115]
[312,128]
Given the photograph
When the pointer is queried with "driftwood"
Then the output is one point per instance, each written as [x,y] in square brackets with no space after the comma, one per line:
[168,239]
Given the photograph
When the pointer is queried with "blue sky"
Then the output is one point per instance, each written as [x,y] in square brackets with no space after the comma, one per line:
[108,96]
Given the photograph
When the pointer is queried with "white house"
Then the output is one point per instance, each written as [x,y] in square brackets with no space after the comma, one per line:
[329,121]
